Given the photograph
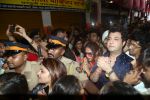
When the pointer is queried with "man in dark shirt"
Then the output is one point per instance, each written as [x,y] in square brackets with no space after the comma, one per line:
[115,63]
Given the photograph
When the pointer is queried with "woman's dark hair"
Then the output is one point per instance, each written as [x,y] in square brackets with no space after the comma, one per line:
[119,88]
[55,67]
[13,83]
[94,47]
[68,84]
[140,37]
[77,53]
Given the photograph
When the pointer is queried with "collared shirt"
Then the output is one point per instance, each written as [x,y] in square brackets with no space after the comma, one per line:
[71,67]
[121,67]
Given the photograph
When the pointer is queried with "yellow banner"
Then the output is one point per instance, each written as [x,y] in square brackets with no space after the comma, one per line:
[77,4]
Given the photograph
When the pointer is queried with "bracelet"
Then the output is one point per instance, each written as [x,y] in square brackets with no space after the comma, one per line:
[108,74]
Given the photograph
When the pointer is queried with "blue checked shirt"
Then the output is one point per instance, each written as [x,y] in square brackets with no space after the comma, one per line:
[121,67]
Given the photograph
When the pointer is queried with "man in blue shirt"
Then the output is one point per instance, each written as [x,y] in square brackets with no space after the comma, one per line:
[115,63]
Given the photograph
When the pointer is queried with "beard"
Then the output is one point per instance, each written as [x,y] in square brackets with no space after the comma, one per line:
[11,66]
[50,55]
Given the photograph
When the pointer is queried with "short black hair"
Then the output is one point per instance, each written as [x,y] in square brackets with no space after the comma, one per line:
[94,48]
[67,84]
[13,83]
[138,35]
[120,29]
[118,88]
[34,32]
[93,31]
[56,31]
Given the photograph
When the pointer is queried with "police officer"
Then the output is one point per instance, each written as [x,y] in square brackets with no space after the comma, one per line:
[17,60]
[56,49]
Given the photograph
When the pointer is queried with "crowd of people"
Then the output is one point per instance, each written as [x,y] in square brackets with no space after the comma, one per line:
[70,63]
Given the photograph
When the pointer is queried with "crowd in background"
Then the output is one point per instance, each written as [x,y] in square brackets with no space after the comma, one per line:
[74,62]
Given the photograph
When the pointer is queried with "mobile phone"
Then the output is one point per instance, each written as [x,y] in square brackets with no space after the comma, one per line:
[12,28]
[39,51]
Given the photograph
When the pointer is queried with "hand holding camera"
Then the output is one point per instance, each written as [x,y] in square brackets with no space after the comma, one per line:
[17,29]
[12,28]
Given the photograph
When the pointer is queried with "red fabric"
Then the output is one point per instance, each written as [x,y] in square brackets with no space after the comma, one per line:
[32,57]
[127,4]
[132,4]
[136,4]
[88,26]
[142,4]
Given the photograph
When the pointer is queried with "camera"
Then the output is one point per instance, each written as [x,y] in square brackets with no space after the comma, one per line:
[12,28]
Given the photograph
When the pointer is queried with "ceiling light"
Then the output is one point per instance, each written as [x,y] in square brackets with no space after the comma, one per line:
[111,1]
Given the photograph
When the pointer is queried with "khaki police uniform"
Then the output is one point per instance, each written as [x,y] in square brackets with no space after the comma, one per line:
[30,71]
[71,68]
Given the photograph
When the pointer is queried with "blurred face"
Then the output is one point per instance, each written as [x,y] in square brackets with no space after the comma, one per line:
[61,34]
[44,43]
[76,32]
[44,75]
[89,54]
[134,48]
[79,45]
[37,39]
[56,52]
[114,42]
[16,61]
[93,37]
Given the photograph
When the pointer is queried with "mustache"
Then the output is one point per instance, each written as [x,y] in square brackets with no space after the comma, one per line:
[50,55]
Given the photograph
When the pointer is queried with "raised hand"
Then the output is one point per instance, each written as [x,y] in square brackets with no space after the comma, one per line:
[104,63]
[85,66]
[8,33]
[20,31]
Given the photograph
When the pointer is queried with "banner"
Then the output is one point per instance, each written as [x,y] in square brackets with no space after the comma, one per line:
[43,4]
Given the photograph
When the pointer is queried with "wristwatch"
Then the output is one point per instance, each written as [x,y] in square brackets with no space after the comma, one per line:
[108,74]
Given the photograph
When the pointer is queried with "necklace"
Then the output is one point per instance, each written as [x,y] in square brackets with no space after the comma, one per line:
[111,62]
